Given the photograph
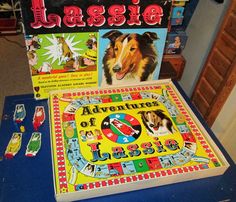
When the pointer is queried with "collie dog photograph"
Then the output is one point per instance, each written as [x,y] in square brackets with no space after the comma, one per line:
[157,123]
[128,56]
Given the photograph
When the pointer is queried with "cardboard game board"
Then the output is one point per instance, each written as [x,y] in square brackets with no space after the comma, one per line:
[78,43]
[112,140]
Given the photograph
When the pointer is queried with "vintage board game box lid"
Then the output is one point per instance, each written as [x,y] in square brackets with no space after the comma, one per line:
[113,140]
[77,43]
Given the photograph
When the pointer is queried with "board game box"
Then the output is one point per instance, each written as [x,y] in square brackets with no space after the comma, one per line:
[119,139]
[78,43]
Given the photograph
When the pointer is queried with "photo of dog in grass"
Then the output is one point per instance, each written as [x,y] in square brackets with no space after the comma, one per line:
[131,55]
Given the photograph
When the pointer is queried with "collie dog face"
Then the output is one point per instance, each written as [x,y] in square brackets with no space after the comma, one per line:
[131,56]
[152,119]
[156,122]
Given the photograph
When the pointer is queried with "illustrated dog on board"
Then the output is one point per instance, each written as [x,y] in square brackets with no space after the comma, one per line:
[65,53]
[130,57]
[156,123]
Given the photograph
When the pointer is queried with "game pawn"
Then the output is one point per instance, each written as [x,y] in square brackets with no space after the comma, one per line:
[19,116]
[19,113]
[34,145]
[39,117]
[13,146]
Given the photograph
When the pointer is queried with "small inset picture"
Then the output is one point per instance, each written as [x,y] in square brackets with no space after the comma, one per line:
[177,12]
[89,170]
[62,52]
[130,56]
[175,42]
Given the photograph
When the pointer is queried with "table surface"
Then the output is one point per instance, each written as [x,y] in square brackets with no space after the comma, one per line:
[30,179]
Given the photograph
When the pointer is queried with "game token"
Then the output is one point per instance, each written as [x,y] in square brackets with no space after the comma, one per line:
[13,146]
[22,129]
[34,144]
[19,116]
[180,118]
[19,113]
[39,117]
[69,129]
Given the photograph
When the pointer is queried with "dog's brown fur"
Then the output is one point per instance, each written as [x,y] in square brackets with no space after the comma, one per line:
[129,55]
[155,119]
[66,51]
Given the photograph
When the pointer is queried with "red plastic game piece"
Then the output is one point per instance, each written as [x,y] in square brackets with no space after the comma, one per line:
[39,117]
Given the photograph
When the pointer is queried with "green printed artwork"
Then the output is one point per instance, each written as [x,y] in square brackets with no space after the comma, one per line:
[59,53]
[52,55]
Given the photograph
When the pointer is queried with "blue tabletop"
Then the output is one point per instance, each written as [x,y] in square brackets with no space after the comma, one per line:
[30,179]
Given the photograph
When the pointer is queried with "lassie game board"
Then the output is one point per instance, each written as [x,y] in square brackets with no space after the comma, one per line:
[112,140]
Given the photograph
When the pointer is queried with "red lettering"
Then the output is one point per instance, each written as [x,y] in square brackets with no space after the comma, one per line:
[96,15]
[152,14]
[134,15]
[40,19]
[159,147]
[135,1]
[172,144]
[94,146]
[134,151]
[73,16]
[117,149]
[147,146]
[116,12]
[118,152]
[132,147]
